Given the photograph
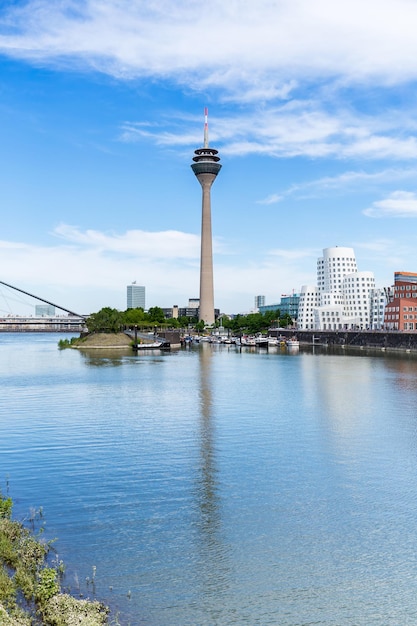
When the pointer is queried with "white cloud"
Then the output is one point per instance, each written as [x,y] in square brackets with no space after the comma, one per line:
[169,244]
[397,204]
[265,44]
[350,180]
[295,128]
[315,59]
[274,198]
[91,269]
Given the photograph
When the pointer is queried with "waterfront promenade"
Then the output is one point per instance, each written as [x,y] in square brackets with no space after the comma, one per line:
[379,339]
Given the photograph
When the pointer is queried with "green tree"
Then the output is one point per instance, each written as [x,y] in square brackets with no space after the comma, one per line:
[255,323]
[200,326]
[184,321]
[286,320]
[134,316]
[107,320]
[156,314]
[272,316]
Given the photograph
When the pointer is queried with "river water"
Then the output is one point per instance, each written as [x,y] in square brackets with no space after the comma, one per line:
[212,486]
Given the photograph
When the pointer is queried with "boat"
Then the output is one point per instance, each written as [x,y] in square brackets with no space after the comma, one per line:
[261,342]
[273,342]
[293,342]
[248,341]
[155,345]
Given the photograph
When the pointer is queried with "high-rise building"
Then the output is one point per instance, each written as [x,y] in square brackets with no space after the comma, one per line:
[206,166]
[44,310]
[343,298]
[259,301]
[135,296]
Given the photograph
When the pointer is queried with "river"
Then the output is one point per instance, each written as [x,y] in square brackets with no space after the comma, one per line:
[216,486]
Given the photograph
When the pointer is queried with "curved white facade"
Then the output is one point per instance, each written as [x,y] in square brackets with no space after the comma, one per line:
[344,298]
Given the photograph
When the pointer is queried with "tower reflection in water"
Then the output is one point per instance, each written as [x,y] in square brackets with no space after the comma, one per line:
[213,567]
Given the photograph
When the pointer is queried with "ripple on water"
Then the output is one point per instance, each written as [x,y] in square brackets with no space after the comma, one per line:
[220,487]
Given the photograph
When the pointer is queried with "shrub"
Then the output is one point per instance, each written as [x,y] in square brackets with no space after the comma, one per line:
[47,586]
[5,507]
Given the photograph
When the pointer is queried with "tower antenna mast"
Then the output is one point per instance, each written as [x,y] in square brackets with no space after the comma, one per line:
[206,144]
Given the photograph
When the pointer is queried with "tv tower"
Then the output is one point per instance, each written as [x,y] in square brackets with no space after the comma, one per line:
[206,166]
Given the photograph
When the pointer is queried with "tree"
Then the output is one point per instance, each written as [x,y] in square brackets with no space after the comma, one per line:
[107,320]
[272,316]
[200,326]
[286,320]
[156,314]
[134,316]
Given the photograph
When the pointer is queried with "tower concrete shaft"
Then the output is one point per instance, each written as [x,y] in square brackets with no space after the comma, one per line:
[206,166]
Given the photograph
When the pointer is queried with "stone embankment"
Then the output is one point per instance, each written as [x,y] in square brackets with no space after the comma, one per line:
[377,339]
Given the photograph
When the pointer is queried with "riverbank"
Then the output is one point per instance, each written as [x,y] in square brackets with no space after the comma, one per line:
[30,586]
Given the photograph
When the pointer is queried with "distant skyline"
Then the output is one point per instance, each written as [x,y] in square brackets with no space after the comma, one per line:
[311,106]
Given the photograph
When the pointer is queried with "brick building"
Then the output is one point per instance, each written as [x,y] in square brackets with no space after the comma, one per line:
[401,311]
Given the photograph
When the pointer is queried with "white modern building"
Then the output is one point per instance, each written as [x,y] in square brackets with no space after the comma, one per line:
[344,298]
[135,296]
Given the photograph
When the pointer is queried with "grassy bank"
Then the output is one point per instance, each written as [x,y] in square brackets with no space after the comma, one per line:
[30,587]
[97,340]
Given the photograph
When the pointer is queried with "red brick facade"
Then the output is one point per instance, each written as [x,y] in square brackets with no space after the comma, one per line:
[401,312]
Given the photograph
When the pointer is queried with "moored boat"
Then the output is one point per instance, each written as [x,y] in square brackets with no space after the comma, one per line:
[262,342]
[293,342]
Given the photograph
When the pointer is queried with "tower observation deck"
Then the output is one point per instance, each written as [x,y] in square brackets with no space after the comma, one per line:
[206,166]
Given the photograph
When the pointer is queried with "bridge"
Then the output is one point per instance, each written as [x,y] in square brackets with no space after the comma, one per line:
[57,306]
[20,324]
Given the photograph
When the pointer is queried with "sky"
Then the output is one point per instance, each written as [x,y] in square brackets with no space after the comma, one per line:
[312,107]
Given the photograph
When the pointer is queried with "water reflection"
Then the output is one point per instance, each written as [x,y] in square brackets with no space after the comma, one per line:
[214,568]
[102,357]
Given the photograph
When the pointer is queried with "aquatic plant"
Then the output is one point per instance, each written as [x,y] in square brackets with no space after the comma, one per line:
[68,343]
[30,586]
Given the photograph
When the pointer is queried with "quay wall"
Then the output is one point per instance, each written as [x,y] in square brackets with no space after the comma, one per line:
[394,340]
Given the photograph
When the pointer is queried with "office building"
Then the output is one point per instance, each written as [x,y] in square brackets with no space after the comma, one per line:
[259,301]
[344,298]
[135,296]
[44,310]
[287,306]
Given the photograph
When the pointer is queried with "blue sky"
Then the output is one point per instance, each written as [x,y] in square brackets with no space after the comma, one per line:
[312,106]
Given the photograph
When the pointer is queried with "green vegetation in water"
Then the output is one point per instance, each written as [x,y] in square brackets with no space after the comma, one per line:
[30,588]
[68,343]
